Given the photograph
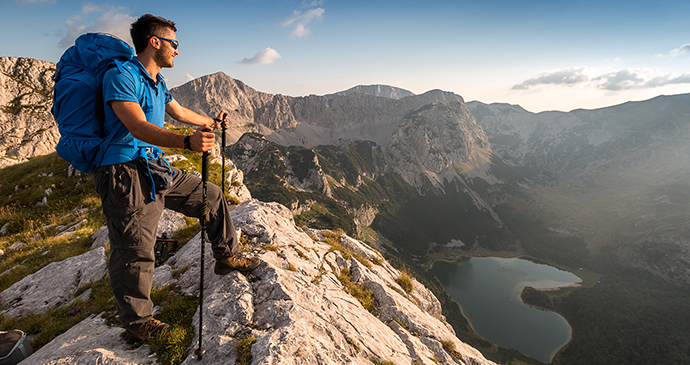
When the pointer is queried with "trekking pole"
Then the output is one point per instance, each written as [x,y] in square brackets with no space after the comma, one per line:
[222,150]
[202,220]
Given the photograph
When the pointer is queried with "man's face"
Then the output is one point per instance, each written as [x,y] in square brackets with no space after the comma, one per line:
[166,53]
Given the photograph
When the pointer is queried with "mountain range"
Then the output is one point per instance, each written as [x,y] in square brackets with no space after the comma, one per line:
[427,177]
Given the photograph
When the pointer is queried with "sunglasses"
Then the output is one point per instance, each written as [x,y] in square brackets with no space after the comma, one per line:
[173,42]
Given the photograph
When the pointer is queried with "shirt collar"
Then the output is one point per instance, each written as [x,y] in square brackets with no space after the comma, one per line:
[144,72]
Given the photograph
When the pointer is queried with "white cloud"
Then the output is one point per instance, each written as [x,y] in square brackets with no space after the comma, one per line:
[95,19]
[268,55]
[189,77]
[562,77]
[676,52]
[619,80]
[638,79]
[299,31]
[300,21]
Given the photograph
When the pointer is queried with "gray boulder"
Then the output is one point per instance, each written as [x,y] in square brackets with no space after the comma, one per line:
[91,341]
[53,285]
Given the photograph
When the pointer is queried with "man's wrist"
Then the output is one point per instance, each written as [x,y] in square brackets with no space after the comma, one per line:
[187,146]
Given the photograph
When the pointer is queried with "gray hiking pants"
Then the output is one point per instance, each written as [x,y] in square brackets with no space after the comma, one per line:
[132,218]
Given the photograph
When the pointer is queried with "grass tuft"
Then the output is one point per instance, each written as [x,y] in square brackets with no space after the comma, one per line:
[244,350]
[364,295]
[405,282]
[382,362]
[178,310]
[449,346]
[401,323]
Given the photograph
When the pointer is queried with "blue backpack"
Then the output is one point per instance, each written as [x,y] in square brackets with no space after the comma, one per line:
[78,98]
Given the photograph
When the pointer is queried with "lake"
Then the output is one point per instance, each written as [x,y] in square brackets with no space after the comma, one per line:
[488,290]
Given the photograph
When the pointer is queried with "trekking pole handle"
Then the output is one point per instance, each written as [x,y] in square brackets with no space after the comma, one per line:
[221,120]
[223,125]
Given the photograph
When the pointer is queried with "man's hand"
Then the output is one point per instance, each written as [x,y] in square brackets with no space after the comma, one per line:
[222,117]
[202,140]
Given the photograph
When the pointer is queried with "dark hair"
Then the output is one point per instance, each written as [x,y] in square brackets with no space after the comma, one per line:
[146,27]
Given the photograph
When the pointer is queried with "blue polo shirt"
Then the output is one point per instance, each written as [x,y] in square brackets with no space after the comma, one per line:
[130,81]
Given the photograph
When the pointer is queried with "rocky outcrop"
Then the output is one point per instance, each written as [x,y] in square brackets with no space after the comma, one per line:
[297,305]
[45,290]
[302,170]
[27,127]
[91,341]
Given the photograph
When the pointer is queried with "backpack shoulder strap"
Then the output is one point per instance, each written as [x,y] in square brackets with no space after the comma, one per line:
[132,70]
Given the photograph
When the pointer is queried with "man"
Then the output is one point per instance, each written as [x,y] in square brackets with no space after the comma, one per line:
[134,192]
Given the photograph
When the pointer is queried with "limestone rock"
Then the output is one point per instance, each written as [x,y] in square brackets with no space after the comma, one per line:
[170,223]
[44,290]
[27,127]
[435,142]
[91,341]
[100,238]
[298,310]
[3,230]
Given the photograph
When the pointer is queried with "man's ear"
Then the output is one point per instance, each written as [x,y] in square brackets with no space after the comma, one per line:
[155,42]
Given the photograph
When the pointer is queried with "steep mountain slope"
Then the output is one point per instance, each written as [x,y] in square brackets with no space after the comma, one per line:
[351,185]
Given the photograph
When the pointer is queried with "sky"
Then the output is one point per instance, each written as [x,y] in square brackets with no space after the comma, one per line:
[540,54]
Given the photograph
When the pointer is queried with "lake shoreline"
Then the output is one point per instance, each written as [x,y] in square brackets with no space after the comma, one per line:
[568,327]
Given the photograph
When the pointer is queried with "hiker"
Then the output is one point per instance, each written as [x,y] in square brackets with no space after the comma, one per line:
[135,192]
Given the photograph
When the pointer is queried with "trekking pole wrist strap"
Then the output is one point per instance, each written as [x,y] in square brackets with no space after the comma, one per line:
[187,146]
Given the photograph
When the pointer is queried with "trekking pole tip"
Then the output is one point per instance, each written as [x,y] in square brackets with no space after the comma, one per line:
[199,352]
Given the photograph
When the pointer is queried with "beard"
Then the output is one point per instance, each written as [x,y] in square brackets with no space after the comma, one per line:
[163,59]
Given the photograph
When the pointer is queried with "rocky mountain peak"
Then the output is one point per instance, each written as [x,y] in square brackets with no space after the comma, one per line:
[384,91]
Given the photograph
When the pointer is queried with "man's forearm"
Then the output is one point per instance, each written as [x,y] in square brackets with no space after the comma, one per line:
[190,117]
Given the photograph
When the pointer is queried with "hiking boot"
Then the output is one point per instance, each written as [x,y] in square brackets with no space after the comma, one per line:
[151,328]
[236,262]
